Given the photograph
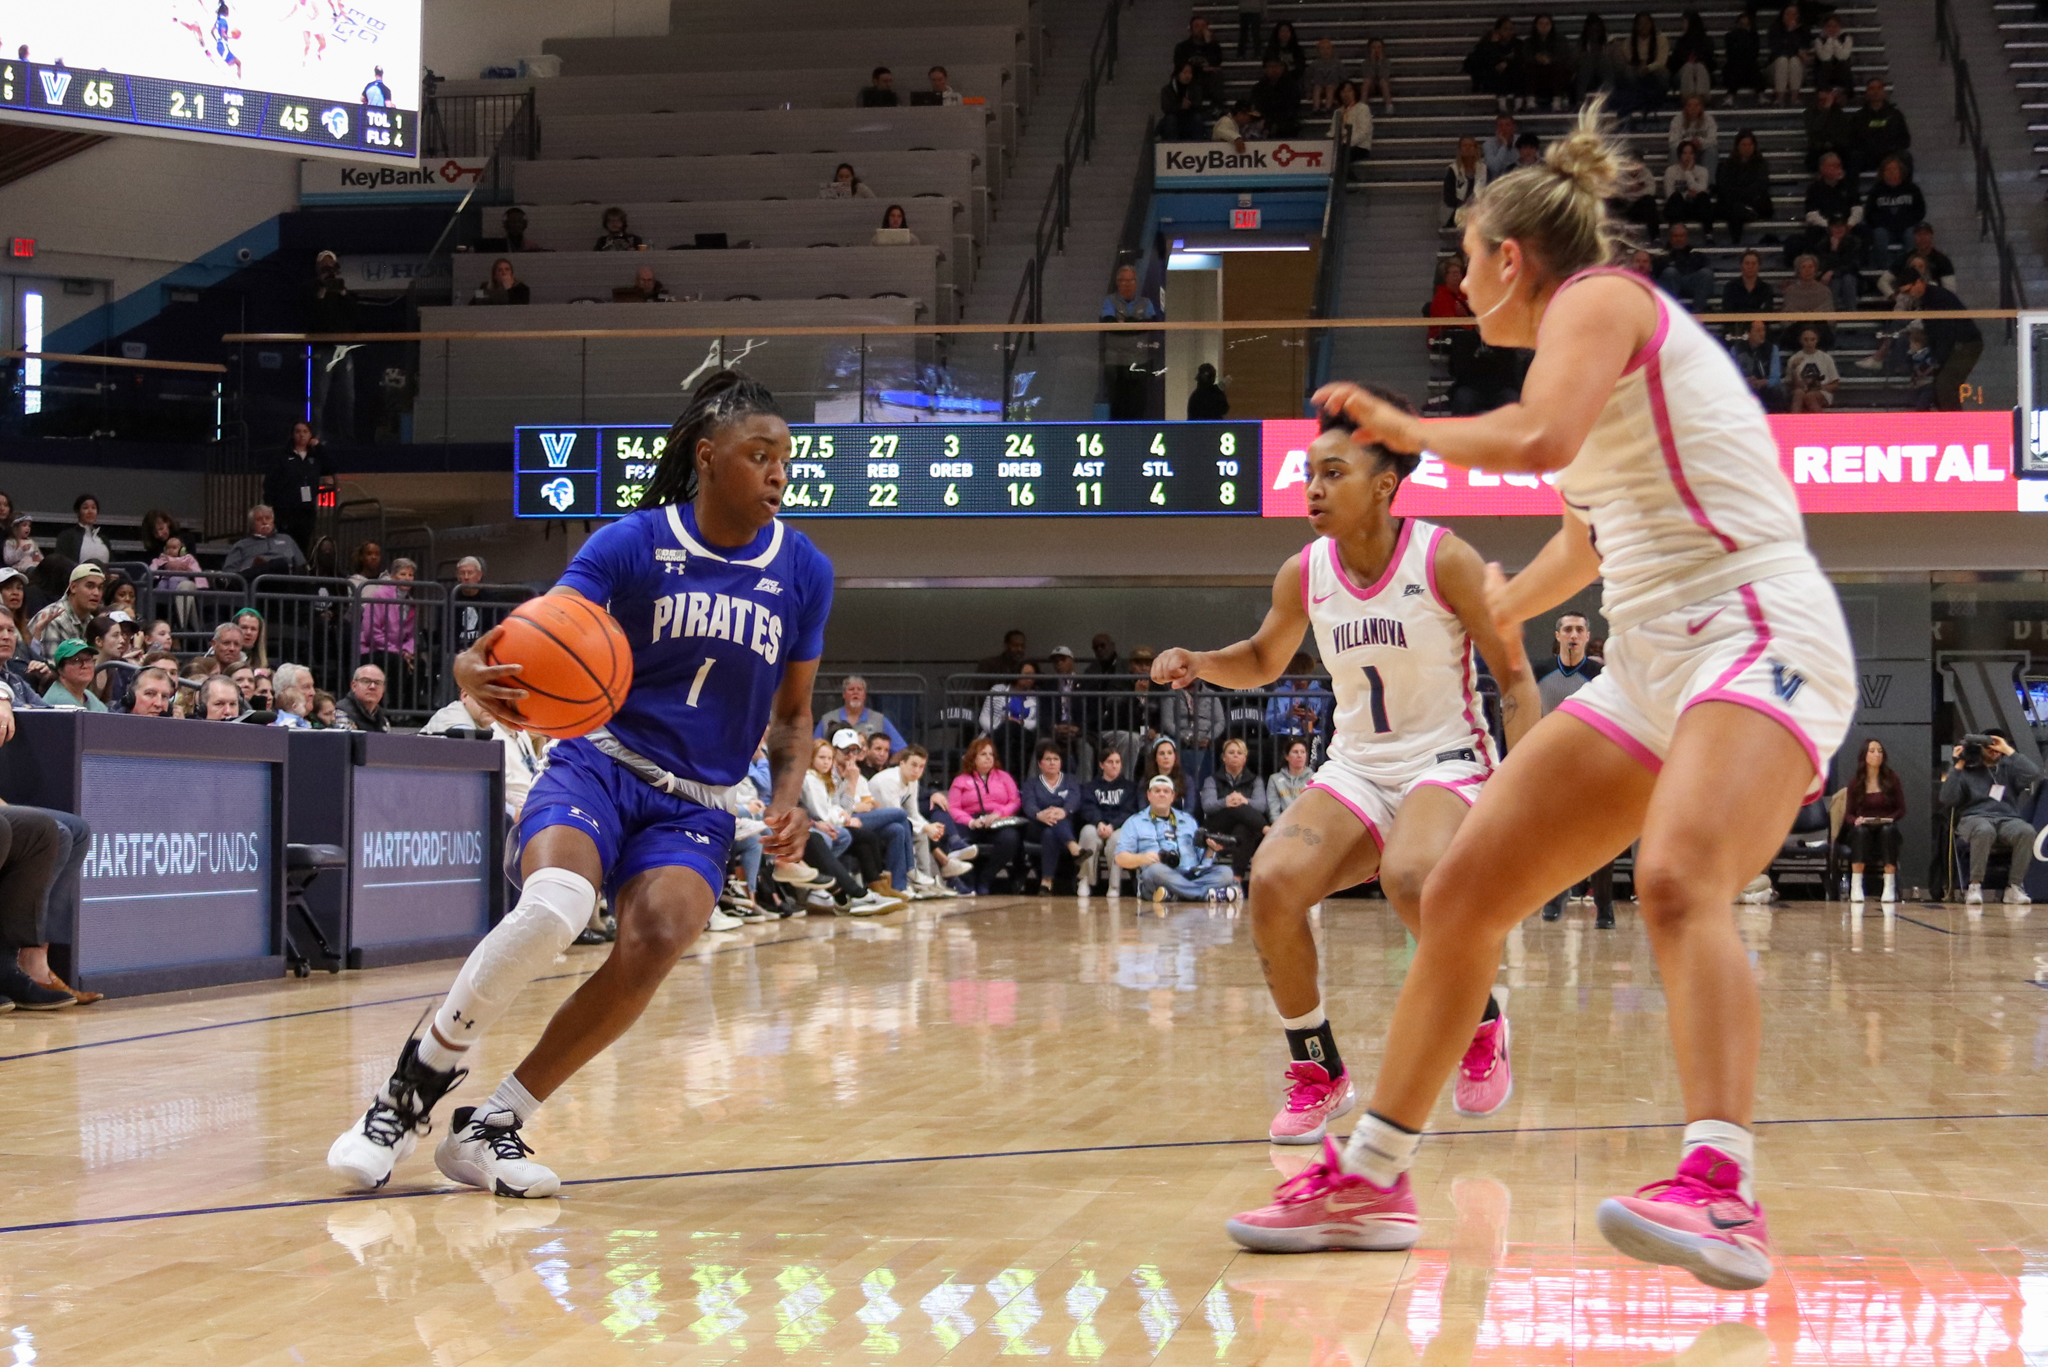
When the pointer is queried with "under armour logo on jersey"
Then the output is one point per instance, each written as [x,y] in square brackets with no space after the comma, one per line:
[1785,681]
[768,585]
[1411,591]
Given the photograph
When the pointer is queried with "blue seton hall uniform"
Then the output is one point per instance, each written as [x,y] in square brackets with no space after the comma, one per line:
[712,631]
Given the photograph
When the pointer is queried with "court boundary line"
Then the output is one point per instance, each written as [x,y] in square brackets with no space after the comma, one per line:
[453,1189]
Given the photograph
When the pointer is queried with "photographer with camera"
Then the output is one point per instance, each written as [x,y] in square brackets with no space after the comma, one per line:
[1988,778]
[1161,844]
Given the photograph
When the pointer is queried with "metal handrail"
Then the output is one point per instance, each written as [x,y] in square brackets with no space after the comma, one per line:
[1969,116]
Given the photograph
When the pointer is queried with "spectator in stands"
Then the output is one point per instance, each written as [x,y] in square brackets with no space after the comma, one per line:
[1195,718]
[1878,130]
[1749,292]
[1812,373]
[1239,125]
[1636,200]
[1807,293]
[1762,365]
[157,636]
[845,185]
[1892,211]
[74,664]
[1325,74]
[1593,67]
[1985,785]
[1483,376]
[294,701]
[1129,358]
[1494,65]
[226,652]
[985,801]
[1827,127]
[1285,785]
[942,86]
[1956,344]
[1351,127]
[1871,812]
[219,699]
[1692,59]
[6,509]
[645,289]
[1010,659]
[1251,15]
[390,623]
[1103,649]
[874,756]
[880,91]
[1464,178]
[516,239]
[15,683]
[14,597]
[1010,716]
[1163,761]
[1840,255]
[1377,76]
[326,713]
[176,563]
[1207,401]
[1643,69]
[1200,51]
[363,708]
[1064,710]
[1934,263]
[1546,65]
[369,564]
[1130,715]
[1284,45]
[1790,45]
[1106,803]
[1447,300]
[1299,703]
[1234,804]
[152,693]
[931,826]
[1692,123]
[22,552]
[854,713]
[466,602]
[291,486]
[1833,52]
[1743,185]
[67,618]
[83,541]
[1528,151]
[880,836]
[617,236]
[265,550]
[1688,193]
[331,310]
[112,672]
[1829,195]
[1054,802]
[35,860]
[1160,844]
[1181,102]
[503,287]
[1277,97]
[120,595]
[1498,151]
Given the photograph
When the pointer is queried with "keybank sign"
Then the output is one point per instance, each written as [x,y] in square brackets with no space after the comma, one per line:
[1259,163]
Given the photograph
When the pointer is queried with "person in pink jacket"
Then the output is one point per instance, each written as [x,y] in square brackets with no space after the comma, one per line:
[389,636]
[984,799]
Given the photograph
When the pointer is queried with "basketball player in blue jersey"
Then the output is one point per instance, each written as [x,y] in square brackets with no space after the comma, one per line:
[725,607]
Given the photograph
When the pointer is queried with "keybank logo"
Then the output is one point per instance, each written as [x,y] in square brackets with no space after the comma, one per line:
[1253,158]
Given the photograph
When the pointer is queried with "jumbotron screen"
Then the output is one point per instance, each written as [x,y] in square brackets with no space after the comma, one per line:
[328,77]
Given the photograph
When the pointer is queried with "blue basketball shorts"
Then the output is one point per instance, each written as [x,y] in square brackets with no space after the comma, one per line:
[637,826]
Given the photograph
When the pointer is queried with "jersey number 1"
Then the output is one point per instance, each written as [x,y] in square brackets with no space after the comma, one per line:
[1377,699]
[697,687]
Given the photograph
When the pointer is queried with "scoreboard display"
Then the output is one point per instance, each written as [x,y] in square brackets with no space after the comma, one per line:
[325,77]
[1056,469]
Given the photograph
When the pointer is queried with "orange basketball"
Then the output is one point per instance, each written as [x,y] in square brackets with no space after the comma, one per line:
[575,663]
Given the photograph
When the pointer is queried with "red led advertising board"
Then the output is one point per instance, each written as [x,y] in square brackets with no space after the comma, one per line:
[1838,463]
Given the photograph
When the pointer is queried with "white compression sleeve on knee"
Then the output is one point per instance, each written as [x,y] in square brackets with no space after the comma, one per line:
[554,906]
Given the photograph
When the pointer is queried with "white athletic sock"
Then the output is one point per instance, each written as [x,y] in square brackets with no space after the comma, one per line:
[1731,1139]
[1307,1020]
[553,907]
[1380,1151]
[510,1097]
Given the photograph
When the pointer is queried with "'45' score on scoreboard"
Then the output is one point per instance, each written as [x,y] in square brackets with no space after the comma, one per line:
[1124,469]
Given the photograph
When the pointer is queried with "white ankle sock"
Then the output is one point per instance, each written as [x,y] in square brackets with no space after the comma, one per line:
[1731,1139]
[1307,1020]
[1891,887]
[1380,1151]
[513,1097]
[439,1056]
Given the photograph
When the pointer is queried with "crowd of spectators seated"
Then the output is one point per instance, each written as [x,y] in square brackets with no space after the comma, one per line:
[1296,94]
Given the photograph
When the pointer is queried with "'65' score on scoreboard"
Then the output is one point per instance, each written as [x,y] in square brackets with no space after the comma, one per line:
[1124,469]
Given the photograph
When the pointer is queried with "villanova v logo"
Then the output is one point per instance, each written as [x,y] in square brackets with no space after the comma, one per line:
[1785,682]
[1874,688]
[55,84]
[556,446]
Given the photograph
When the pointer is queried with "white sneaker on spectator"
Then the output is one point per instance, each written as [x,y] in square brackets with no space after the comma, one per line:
[2016,896]
[1975,896]
[872,904]
[821,900]
[1870,363]
[965,854]
[721,919]
[956,868]
[795,871]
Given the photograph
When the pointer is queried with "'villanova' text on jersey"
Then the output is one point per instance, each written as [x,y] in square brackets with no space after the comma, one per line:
[1369,631]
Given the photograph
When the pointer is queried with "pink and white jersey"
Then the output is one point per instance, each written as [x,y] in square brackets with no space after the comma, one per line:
[1402,668]
[1679,478]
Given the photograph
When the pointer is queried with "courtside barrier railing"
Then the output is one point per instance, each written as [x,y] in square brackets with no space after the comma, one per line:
[898,696]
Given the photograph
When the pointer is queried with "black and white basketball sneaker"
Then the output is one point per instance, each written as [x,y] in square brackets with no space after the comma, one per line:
[366,1154]
[483,1149]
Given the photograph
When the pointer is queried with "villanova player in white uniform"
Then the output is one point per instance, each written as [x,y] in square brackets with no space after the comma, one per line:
[725,607]
[1729,682]
[1398,607]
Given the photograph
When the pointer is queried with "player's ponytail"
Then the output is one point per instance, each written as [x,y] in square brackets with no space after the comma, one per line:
[1557,210]
[725,397]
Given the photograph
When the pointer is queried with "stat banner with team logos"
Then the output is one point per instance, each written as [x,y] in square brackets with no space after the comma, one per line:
[1838,463]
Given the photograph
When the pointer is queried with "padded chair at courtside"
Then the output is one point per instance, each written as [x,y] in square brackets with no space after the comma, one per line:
[1805,854]
[302,865]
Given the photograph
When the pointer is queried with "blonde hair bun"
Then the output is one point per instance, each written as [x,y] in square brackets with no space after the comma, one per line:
[1558,212]
[1586,156]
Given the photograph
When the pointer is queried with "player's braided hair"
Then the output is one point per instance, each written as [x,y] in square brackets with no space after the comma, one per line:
[725,397]
[1402,463]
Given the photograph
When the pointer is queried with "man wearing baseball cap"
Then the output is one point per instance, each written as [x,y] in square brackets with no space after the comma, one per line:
[883,843]
[67,618]
[1161,843]
[1067,711]
[74,662]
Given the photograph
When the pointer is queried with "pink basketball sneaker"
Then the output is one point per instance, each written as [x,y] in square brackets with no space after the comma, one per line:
[1314,1099]
[1485,1081]
[1328,1208]
[1697,1221]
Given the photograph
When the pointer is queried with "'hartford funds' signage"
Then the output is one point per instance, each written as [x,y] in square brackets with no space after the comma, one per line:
[419,864]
